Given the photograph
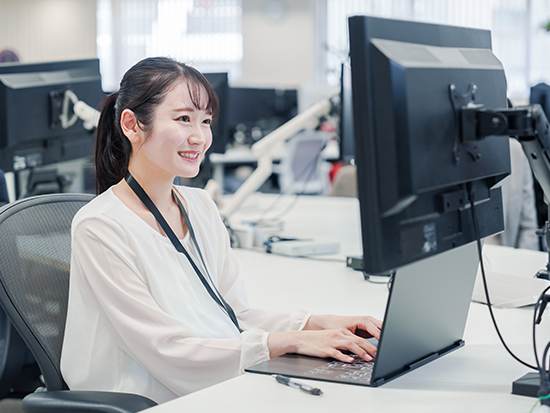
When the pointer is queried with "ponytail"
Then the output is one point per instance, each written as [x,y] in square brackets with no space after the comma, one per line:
[142,89]
[112,148]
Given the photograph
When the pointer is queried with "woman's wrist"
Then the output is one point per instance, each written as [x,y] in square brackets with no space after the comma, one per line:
[282,343]
[315,322]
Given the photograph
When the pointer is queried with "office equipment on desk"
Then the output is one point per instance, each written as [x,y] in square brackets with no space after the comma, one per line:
[34,97]
[425,319]
[34,283]
[413,167]
[298,248]
[431,133]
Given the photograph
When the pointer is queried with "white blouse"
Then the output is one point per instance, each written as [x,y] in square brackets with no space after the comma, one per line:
[140,321]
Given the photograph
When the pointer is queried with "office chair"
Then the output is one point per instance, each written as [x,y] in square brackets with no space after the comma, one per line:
[303,170]
[34,284]
[18,371]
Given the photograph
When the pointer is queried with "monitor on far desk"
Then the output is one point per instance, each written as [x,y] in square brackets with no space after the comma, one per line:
[31,102]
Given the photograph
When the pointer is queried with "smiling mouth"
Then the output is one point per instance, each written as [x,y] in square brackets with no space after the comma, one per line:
[188,155]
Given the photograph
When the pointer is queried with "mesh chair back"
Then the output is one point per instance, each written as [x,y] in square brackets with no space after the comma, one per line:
[34,273]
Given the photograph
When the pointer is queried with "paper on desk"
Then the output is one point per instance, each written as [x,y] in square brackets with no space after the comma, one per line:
[508,290]
[510,276]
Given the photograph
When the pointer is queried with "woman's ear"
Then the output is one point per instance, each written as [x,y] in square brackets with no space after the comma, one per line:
[130,126]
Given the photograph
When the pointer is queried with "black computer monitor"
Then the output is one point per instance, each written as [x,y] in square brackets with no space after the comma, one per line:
[30,103]
[255,112]
[219,82]
[346,135]
[413,167]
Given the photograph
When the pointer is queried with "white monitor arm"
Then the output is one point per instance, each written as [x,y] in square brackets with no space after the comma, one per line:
[81,110]
[263,149]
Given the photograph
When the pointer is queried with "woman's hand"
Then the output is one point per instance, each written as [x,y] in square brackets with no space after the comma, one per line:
[321,343]
[363,326]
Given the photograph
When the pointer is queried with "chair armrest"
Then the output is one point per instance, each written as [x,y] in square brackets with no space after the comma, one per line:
[85,402]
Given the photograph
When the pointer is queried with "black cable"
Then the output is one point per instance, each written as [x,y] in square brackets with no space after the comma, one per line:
[540,305]
[544,357]
[489,305]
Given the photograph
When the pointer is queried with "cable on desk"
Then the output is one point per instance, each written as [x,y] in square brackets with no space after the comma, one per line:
[544,374]
[388,283]
[233,238]
[489,305]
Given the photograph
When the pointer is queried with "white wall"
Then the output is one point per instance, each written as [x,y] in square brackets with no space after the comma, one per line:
[278,52]
[46,30]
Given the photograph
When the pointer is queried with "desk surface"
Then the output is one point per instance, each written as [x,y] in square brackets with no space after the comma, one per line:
[476,378]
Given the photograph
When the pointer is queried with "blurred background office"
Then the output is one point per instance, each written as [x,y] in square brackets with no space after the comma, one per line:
[269,60]
[276,58]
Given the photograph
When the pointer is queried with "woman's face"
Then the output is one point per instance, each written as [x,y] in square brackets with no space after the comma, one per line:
[180,134]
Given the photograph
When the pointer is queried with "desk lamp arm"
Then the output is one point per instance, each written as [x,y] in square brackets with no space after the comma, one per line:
[263,149]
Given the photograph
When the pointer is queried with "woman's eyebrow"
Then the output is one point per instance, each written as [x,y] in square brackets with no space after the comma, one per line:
[183,110]
[208,111]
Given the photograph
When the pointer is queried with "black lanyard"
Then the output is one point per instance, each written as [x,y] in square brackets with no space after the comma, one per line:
[142,195]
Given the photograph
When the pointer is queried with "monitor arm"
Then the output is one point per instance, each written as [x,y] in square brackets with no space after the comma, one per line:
[529,126]
[81,110]
[526,124]
[263,149]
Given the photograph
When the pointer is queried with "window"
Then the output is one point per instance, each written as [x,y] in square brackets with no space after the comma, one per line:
[204,33]
[517,26]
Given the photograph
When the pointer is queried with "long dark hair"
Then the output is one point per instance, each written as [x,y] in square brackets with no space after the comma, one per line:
[142,89]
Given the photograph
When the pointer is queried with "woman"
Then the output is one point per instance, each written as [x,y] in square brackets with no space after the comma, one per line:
[157,304]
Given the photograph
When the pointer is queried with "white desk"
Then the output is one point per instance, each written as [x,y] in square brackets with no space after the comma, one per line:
[476,378]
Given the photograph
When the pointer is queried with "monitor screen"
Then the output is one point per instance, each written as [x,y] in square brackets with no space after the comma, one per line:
[413,167]
[30,103]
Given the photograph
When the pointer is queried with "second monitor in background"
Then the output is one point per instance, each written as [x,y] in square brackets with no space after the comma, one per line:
[255,112]
[347,137]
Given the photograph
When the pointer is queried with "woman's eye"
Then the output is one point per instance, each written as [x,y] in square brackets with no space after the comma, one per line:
[207,121]
[184,118]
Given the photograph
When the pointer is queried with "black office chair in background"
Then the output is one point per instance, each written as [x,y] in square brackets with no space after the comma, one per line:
[34,283]
[19,373]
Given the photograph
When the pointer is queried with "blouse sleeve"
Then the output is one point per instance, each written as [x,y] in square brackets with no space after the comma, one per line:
[232,288]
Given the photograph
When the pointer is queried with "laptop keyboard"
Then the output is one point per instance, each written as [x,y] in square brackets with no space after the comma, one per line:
[359,370]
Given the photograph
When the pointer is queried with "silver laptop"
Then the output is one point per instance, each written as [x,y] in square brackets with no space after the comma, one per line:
[425,319]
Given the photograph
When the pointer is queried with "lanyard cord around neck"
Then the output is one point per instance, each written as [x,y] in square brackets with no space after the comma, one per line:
[216,296]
